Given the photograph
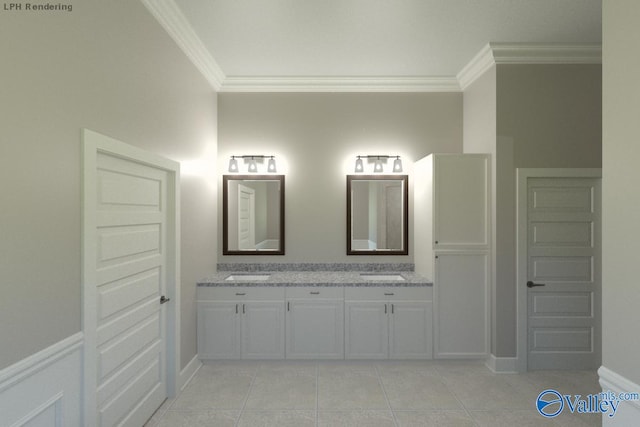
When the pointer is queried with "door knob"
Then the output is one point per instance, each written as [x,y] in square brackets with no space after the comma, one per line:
[164,299]
[530,284]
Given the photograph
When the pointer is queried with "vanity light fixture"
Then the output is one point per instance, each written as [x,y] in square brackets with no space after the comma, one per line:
[378,166]
[233,164]
[252,161]
[271,167]
[397,165]
[253,167]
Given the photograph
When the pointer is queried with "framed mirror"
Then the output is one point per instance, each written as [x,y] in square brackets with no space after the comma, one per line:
[377,214]
[253,214]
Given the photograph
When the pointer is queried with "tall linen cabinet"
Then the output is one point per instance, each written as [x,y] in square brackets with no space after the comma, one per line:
[452,244]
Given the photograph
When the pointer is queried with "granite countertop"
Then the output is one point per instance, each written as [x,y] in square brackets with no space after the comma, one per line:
[315,278]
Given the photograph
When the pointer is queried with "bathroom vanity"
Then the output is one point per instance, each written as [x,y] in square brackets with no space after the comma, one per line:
[315,315]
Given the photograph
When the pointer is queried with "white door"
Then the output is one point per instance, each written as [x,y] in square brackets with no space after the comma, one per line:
[262,329]
[315,329]
[461,298]
[410,330]
[563,273]
[219,330]
[127,245]
[246,218]
[366,330]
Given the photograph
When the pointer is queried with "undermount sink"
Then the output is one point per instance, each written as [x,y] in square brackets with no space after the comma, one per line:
[382,277]
[248,277]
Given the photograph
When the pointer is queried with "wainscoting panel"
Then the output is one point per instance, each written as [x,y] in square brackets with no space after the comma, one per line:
[44,389]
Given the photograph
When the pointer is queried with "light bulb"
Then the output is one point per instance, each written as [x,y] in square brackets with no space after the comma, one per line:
[378,166]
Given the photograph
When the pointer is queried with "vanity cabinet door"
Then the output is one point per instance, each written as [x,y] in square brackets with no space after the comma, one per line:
[218,330]
[315,329]
[262,329]
[367,330]
[410,330]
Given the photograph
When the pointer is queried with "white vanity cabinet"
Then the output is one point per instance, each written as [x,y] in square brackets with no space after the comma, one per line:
[315,322]
[388,322]
[241,322]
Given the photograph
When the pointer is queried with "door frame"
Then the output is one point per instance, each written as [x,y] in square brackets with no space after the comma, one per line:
[522,178]
[94,143]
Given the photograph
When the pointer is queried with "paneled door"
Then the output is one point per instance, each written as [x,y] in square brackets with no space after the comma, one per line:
[563,273]
[126,277]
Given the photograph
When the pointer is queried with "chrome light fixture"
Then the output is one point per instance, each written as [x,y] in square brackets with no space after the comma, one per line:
[252,161]
[379,161]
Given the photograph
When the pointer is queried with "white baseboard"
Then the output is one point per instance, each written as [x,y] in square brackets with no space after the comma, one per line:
[44,388]
[502,365]
[628,412]
[189,371]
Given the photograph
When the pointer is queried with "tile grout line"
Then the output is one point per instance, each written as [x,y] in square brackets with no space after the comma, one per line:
[317,390]
[246,399]
[386,398]
[453,393]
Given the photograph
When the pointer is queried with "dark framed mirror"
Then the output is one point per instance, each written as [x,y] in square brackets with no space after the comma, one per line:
[253,214]
[377,214]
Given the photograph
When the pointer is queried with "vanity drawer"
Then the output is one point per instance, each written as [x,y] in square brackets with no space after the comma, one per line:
[388,293]
[244,293]
[319,292]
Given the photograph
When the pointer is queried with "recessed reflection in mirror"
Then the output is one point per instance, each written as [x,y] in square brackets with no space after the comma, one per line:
[253,214]
[377,215]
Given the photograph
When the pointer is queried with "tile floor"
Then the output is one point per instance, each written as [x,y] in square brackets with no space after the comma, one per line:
[369,393]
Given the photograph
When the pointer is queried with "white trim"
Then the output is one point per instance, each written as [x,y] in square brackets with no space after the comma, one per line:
[169,15]
[177,26]
[93,143]
[524,53]
[340,84]
[189,371]
[501,365]
[475,68]
[629,411]
[52,381]
[522,175]
[29,366]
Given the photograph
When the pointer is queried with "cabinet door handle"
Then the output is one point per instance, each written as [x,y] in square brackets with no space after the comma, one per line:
[240,293]
[288,306]
[236,308]
[389,293]
[385,309]
[315,293]
[391,308]
[242,308]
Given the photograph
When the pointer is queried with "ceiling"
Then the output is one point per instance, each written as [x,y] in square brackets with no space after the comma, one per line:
[283,40]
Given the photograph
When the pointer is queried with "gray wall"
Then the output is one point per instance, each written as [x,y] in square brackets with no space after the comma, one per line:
[109,67]
[621,175]
[548,116]
[318,136]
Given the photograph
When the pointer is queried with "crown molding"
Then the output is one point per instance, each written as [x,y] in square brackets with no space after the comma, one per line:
[176,24]
[520,53]
[340,84]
